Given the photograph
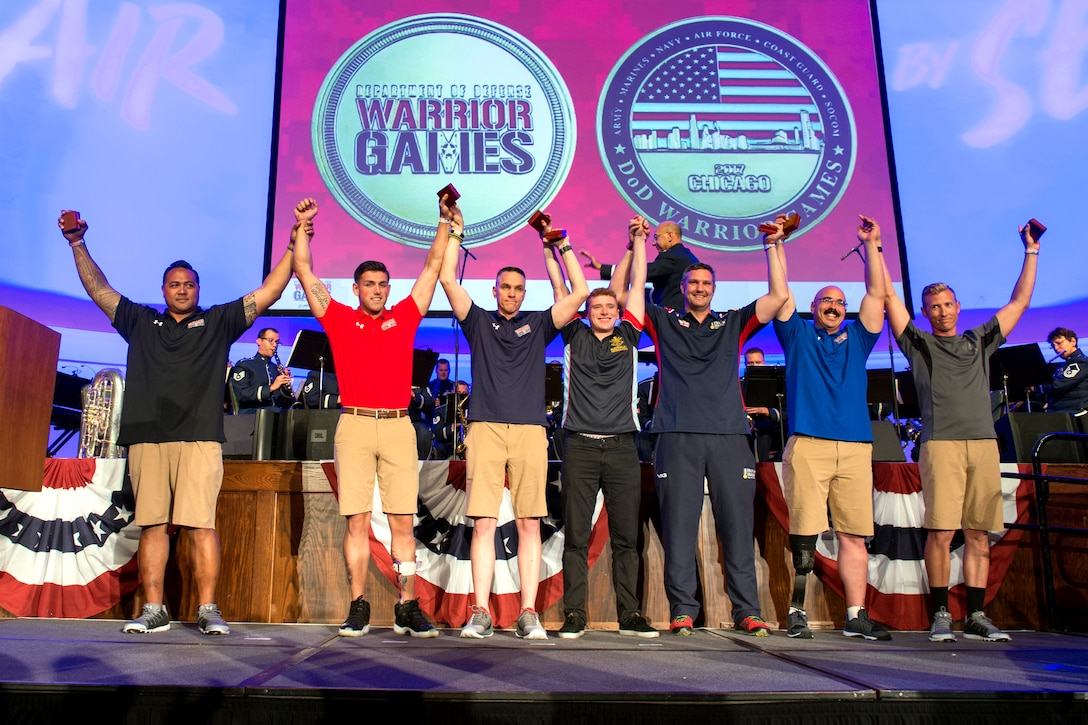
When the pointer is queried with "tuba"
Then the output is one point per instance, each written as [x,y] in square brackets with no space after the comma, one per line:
[100,423]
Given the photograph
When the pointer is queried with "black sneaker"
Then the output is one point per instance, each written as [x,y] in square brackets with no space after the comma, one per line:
[409,620]
[979,626]
[635,625]
[797,625]
[862,626]
[358,622]
[574,627]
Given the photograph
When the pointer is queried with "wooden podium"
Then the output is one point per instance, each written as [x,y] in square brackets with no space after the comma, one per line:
[28,357]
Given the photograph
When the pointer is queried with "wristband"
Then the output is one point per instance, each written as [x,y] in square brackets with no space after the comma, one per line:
[445,221]
[73,245]
[564,249]
[769,247]
[1026,251]
[879,248]
[291,247]
[459,236]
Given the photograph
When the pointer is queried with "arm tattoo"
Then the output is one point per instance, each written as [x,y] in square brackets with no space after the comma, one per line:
[250,304]
[98,289]
[321,294]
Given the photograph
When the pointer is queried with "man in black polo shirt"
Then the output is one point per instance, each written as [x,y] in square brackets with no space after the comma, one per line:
[172,417]
[600,420]
[702,431]
[507,425]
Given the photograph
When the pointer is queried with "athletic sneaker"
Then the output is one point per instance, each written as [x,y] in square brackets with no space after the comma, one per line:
[682,625]
[635,625]
[479,625]
[797,625]
[152,619]
[574,627]
[979,626]
[210,621]
[529,626]
[862,626]
[941,629]
[754,626]
[358,622]
[408,619]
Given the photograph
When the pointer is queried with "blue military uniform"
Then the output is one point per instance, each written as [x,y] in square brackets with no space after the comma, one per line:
[1069,391]
[251,380]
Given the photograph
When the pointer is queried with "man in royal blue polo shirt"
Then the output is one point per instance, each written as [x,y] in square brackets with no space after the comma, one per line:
[828,461]
[702,432]
[507,432]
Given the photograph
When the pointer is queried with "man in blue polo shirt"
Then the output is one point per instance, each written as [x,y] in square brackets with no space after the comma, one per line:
[828,461]
[702,432]
[507,436]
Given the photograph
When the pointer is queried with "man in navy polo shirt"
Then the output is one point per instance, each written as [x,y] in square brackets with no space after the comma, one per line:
[702,432]
[828,460]
[172,417]
[507,432]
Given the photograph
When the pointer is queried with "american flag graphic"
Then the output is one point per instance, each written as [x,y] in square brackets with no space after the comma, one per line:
[712,96]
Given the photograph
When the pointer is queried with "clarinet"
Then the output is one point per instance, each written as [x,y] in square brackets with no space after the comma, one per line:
[281,370]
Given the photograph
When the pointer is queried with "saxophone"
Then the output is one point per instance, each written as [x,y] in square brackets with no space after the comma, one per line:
[100,423]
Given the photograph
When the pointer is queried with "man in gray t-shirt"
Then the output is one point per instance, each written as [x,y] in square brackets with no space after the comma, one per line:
[959,463]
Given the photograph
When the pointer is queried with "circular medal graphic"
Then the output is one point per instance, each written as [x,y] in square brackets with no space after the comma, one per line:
[720,123]
[437,99]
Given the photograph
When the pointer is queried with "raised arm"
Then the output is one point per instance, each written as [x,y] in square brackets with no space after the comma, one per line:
[1010,314]
[260,299]
[778,292]
[98,289]
[565,309]
[871,311]
[317,295]
[551,262]
[449,217]
[898,315]
[635,301]
[460,302]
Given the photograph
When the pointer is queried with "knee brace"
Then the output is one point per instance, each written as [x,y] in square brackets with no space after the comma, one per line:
[804,553]
[404,568]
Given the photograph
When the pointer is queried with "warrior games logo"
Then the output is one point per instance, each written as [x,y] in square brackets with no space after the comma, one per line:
[442,98]
[720,123]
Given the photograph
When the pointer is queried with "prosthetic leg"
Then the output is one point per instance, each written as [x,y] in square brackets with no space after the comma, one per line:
[804,559]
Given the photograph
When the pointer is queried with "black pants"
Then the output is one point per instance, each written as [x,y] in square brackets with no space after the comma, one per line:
[591,465]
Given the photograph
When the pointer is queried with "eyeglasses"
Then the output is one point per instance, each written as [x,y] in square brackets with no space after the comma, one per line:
[832,301]
[659,234]
[269,340]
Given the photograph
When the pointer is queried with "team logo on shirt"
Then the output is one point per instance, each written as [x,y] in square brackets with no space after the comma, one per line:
[1071,370]
[523,330]
[196,323]
[716,325]
[841,338]
[718,123]
[389,324]
[437,98]
[618,345]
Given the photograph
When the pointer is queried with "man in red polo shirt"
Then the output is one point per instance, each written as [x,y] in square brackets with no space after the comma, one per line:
[372,349]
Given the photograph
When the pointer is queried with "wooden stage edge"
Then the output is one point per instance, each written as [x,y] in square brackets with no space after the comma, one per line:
[281,537]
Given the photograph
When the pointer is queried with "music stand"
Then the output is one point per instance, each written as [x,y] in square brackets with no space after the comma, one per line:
[1017,368]
[423,362]
[907,395]
[881,391]
[311,351]
[765,387]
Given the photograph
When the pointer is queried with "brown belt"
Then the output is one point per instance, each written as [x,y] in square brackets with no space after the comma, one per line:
[377,413]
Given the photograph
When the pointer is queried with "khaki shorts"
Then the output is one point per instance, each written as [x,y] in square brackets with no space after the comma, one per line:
[176,483]
[496,452]
[961,485]
[366,448]
[819,473]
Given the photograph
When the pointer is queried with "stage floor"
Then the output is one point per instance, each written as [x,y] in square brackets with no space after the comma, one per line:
[306,673]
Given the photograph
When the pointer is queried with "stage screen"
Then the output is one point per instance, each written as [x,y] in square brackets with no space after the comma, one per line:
[154,121]
[987,103]
[715,115]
